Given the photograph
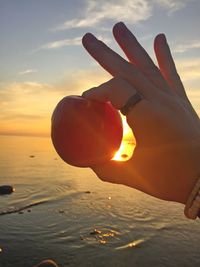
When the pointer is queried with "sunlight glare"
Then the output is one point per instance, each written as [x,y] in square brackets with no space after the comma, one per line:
[127,145]
[118,154]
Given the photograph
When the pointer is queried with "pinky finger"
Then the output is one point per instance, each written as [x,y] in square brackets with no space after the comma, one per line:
[167,65]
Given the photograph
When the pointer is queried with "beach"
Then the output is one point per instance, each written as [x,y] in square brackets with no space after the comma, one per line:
[67,214]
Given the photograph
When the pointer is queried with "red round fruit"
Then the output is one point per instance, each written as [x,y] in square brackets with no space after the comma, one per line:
[85,132]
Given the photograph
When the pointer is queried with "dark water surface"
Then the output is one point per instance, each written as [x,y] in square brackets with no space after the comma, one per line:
[67,214]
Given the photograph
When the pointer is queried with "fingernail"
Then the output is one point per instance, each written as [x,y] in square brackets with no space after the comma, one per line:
[84,94]
[87,93]
[163,38]
[122,29]
[89,38]
[120,25]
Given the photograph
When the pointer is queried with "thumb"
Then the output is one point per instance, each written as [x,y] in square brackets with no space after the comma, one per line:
[119,172]
[112,171]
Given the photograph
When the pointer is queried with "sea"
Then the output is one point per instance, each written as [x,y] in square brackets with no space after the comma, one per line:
[67,214]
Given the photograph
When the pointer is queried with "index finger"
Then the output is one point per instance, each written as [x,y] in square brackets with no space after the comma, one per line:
[118,66]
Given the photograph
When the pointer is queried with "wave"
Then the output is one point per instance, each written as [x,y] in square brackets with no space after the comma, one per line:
[16,210]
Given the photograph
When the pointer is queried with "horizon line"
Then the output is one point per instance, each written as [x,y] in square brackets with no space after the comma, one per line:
[24,134]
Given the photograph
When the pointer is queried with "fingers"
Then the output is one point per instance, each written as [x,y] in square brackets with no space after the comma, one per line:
[167,65]
[117,91]
[118,66]
[138,56]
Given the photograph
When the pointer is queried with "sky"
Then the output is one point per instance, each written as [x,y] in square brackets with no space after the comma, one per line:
[42,58]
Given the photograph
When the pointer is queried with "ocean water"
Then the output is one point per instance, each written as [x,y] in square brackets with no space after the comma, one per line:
[69,215]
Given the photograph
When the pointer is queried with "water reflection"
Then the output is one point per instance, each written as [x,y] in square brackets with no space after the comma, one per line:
[84,221]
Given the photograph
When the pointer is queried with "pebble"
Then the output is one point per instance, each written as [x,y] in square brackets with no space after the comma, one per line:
[61,211]
[95,232]
[87,192]
[46,263]
[6,189]
[102,241]
[32,156]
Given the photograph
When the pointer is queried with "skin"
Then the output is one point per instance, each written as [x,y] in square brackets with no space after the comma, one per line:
[165,162]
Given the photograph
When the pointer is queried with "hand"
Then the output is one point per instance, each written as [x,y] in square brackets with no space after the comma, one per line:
[165,162]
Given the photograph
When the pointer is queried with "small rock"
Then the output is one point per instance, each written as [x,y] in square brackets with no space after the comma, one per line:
[20,212]
[32,156]
[87,192]
[95,232]
[61,211]
[29,210]
[46,263]
[102,241]
[6,189]
[124,156]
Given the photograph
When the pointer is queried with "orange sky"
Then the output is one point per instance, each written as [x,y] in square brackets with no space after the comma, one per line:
[26,107]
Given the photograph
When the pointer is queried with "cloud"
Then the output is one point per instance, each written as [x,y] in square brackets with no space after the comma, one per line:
[189,69]
[23,98]
[17,90]
[172,5]
[68,42]
[181,48]
[28,71]
[79,81]
[96,13]
[26,107]
[61,43]
[20,117]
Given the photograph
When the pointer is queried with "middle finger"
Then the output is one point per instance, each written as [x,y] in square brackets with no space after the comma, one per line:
[138,56]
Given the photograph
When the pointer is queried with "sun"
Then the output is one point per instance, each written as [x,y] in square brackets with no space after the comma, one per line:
[127,145]
[120,152]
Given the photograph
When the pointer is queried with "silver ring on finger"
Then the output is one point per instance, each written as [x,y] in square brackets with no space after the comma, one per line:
[132,101]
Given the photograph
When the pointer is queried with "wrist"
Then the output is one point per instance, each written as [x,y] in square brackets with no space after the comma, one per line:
[191,170]
[192,207]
